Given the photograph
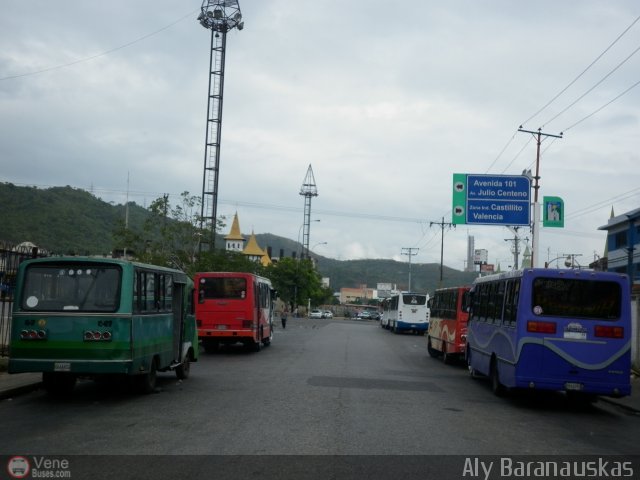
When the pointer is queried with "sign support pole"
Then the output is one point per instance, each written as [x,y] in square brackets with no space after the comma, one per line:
[535,227]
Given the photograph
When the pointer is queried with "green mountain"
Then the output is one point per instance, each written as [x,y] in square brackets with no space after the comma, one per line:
[66,220]
[61,219]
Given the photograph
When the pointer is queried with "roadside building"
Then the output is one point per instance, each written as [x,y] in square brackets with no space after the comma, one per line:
[623,245]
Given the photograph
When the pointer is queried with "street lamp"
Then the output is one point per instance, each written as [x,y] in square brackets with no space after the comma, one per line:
[319,243]
[569,260]
[219,16]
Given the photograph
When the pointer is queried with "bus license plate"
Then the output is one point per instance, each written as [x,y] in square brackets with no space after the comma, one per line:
[222,327]
[576,335]
[62,367]
[572,386]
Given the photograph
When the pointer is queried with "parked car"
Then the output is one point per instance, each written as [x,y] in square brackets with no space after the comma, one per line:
[364,315]
[315,314]
[327,314]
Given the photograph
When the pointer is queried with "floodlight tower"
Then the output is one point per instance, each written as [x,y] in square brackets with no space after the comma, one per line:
[219,16]
[308,191]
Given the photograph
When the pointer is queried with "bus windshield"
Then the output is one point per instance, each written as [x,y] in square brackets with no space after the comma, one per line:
[565,297]
[76,287]
[222,288]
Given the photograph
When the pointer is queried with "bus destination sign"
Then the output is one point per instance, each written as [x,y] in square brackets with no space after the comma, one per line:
[491,199]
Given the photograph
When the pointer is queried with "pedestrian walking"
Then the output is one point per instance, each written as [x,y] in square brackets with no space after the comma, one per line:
[283,318]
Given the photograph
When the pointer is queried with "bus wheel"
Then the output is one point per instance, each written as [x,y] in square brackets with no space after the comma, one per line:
[446,358]
[433,353]
[210,346]
[146,382]
[257,346]
[580,399]
[496,387]
[473,373]
[267,341]
[183,370]
[58,384]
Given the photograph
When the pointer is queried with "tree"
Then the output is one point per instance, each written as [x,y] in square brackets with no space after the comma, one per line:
[170,235]
[225,261]
[296,281]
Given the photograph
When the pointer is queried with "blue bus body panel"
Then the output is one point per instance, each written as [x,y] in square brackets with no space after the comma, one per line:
[573,358]
[417,326]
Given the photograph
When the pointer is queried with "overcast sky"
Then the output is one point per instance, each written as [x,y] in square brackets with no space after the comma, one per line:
[386,100]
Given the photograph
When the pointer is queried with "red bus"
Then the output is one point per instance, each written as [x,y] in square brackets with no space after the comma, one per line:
[448,327]
[233,307]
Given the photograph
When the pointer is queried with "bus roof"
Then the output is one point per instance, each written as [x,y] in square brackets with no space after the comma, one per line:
[112,261]
[550,272]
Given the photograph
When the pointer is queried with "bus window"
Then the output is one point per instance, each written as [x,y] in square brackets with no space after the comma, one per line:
[213,288]
[88,288]
[566,297]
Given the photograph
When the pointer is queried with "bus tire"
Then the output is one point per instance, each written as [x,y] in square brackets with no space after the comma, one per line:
[210,346]
[446,358]
[58,384]
[473,373]
[146,382]
[267,341]
[496,387]
[433,353]
[581,399]
[183,370]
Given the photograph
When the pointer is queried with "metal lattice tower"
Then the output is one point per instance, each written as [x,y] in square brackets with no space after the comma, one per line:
[308,191]
[220,16]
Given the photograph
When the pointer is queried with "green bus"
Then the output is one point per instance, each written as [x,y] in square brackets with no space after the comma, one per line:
[95,317]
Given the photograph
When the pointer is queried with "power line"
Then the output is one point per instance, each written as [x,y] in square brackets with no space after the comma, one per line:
[582,73]
[603,106]
[102,54]
[593,87]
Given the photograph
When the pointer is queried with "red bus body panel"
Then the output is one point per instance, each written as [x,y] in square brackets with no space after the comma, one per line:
[244,318]
[448,333]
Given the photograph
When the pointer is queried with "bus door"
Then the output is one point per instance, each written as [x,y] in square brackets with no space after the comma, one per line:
[177,307]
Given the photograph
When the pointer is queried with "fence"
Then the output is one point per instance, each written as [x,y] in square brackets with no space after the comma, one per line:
[10,258]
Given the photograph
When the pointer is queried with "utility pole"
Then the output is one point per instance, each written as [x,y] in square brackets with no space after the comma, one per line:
[442,224]
[536,207]
[410,252]
[516,245]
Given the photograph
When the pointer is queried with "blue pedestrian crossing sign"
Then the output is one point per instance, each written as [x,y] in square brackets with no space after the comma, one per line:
[491,199]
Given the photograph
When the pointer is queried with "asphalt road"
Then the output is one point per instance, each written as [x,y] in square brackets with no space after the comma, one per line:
[324,387]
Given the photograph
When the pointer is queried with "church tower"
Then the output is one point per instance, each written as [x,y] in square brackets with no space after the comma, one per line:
[234,242]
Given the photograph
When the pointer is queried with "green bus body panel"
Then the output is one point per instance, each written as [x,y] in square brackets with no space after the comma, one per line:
[135,338]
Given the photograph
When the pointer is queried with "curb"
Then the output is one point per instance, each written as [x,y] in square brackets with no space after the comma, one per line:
[19,390]
[617,403]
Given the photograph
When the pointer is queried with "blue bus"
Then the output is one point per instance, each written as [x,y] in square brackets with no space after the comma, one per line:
[548,329]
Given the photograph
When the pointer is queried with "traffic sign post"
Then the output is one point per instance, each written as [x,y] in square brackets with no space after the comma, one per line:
[491,199]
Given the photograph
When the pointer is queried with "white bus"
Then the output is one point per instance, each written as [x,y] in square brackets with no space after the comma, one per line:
[407,312]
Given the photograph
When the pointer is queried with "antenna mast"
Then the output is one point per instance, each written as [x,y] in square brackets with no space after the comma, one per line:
[219,16]
[308,190]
